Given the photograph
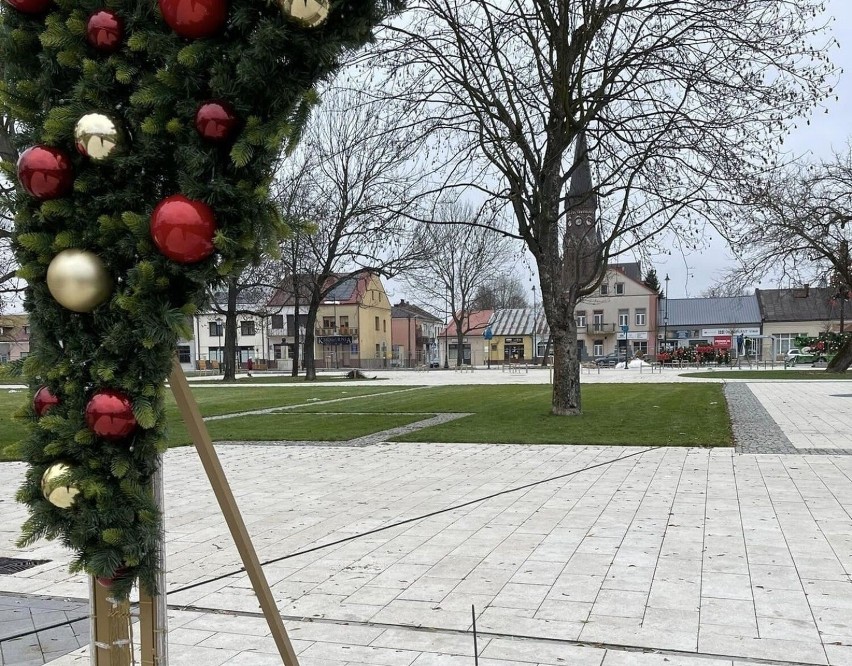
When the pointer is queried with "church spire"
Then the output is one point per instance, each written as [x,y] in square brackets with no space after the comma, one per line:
[580,192]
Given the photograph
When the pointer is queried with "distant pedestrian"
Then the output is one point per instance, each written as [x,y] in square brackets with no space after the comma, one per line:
[249,366]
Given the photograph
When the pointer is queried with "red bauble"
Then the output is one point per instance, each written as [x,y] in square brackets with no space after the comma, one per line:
[105,30]
[44,400]
[109,414]
[45,172]
[194,19]
[183,229]
[108,582]
[30,6]
[216,120]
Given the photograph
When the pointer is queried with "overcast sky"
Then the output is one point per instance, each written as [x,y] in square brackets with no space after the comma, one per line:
[827,132]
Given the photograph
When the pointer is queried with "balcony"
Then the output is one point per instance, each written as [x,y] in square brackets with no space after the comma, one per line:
[343,330]
[601,329]
[274,331]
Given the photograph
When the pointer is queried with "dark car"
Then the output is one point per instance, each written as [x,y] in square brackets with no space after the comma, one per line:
[610,360]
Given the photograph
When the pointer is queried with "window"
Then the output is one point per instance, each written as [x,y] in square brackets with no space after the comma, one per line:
[384,325]
[597,348]
[278,321]
[619,288]
[328,322]
[344,323]
[183,354]
[276,352]
[598,317]
[640,346]
[214,354]
[624,317]
[377,328]
[353,349]
[247,327]
[216,330]
[785,342]
[604,289]
[378,348]
[581,318]
[640,316]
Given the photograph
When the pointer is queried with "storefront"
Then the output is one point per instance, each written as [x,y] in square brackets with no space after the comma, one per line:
[513,349]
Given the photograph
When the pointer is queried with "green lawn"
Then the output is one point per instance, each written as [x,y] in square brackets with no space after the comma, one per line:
[770,374]
[613,414]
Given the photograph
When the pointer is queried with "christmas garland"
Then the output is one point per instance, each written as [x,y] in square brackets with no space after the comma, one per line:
[149,133]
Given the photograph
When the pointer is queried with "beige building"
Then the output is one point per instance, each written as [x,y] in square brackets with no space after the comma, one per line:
[789,313]
[14,337]
[621,300]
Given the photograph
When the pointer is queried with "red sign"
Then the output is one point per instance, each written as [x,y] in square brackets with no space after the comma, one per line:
[722,342]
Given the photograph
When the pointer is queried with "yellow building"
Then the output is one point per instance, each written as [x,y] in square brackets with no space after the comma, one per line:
[353,328]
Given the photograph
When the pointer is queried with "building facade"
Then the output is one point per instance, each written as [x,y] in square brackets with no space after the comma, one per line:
[725,323]
[474,349]
[414,336]
[790,313]
[14,337]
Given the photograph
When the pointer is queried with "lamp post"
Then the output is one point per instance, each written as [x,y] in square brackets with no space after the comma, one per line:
[221,354]
[447,333]
[535,322]
[666,315]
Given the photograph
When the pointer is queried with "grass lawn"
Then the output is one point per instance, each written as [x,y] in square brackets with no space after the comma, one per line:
[770,374]
[630,414]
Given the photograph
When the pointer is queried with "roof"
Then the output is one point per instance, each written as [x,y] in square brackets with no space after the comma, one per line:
[710,311]
[580,191]
[403,310]
[633,270]
[476,323]
[519,321]
[806,304]
[350,289]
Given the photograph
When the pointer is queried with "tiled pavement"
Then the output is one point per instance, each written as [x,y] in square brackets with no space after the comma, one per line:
[697,553]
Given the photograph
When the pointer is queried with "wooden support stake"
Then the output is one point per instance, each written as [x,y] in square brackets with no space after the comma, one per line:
[110,628]
[210,460]
[153,612]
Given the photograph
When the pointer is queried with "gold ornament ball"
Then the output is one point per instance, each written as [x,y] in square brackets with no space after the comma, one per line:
[309,13]
[78,280]
[98,136]
[56,490]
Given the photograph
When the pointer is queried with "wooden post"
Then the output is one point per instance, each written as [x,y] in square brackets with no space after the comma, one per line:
[153,612]
[110,628]
[210,460]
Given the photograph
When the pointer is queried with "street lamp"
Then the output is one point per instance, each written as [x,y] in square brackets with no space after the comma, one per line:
[534,348]
[666,315]
[221,354]
[447,333]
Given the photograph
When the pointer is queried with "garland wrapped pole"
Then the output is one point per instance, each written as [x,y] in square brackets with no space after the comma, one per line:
[149,132]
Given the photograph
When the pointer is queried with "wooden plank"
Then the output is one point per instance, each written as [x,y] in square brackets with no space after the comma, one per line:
[213,467]
[153,615]
[110,628]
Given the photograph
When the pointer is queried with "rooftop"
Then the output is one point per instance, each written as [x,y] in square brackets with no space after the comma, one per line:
[804,304]
[710,311]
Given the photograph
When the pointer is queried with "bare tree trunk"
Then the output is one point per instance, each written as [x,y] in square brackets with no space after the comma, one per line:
[566,363]
[230,353]
[842,359]
[310,326]
[296,302]
[460,347]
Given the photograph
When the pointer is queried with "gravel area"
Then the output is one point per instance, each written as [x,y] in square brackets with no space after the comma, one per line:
[755,431]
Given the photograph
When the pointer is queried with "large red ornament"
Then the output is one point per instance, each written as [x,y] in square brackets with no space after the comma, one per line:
[216,120]
[109,414]
[45,172]
[30,6]
[109,581]
[183,229]
[105,30]
[194,19]
[44,400]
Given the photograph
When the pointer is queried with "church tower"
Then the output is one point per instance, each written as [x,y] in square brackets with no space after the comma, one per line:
[582,246]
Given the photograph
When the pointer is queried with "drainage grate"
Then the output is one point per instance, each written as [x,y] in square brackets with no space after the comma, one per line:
[11,565]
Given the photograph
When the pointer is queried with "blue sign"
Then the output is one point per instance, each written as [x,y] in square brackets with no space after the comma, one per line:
[625,328]
[488,334]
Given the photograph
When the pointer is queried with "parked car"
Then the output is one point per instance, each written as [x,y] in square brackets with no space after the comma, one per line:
[805,355]
[610,360]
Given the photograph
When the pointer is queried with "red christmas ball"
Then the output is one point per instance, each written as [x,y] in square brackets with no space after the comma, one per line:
[44,400]
[183,229]
[29,6]
[105,30]
[216,120]
[109,414]
[194,19]
[109,581]
[45,172]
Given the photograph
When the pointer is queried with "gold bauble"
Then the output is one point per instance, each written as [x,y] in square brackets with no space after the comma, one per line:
[78,280]
[309,13]
[56,490]
[98,136]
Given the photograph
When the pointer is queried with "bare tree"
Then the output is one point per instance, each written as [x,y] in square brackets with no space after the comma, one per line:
[463,256]
[354,184]
[798,229]
[678,99]
[726,289]
[503,292]
[9,285]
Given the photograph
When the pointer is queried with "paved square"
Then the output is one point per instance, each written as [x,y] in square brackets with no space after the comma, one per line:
[664,556]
